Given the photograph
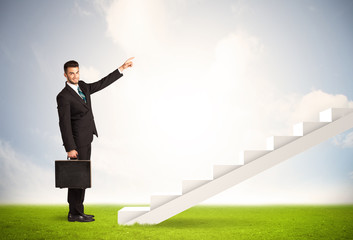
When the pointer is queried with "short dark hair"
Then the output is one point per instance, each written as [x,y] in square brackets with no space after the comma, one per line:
[71,63]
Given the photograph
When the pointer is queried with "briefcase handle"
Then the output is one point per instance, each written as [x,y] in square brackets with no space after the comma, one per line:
[73,158]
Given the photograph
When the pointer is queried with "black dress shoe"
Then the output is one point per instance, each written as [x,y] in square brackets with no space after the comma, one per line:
[79,218]
[88,215]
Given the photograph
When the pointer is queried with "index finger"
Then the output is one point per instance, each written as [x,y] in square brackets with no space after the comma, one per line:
[130,59]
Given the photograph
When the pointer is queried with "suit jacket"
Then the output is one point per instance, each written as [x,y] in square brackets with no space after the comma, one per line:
[76,119]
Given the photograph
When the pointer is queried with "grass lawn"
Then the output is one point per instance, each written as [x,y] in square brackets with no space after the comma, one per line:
[201,222]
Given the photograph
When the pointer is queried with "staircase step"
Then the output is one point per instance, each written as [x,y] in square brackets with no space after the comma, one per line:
[303,128]
[159,200]
[128,213]
[332,114]
[249,156]
[275,142]
[220,170]
[189,185]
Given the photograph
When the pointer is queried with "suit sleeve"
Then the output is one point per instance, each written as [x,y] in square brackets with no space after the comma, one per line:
[104,82]
[65,123]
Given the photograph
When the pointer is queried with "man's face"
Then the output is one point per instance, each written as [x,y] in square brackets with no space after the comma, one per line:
[72,75]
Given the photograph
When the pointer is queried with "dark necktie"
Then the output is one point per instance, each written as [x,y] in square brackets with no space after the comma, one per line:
[81,93]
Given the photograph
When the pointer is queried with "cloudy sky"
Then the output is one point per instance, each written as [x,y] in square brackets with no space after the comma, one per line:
[211,78]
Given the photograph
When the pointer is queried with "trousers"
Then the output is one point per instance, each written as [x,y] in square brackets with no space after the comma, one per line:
[76,196]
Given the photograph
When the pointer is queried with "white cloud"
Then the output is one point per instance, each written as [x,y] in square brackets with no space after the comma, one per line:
[165,49]
[137,25]
[42,60]
[81,11]
[169,125]
[46,136]
[257,104]
[178,130]
[237,53]
[317,101]
[23,181]
[344,140]
[240,8]
[89,74]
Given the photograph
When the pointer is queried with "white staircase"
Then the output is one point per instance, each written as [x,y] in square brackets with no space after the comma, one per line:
[279,148]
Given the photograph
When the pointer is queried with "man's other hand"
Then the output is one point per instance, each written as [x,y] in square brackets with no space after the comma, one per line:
[72,154]
[128,63]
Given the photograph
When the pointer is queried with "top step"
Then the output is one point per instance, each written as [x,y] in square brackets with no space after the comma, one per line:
[332,114]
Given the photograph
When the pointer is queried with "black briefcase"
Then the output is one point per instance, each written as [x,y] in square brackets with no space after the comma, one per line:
[73,173]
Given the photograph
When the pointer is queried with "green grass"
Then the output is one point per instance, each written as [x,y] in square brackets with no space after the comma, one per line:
[202,222]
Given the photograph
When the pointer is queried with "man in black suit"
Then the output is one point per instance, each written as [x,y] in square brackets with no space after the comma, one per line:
[77,125]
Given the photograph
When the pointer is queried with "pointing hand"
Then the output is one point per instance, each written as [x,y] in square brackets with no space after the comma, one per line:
[128,63]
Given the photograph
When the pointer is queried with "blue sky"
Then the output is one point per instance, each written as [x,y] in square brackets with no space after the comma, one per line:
[211,78]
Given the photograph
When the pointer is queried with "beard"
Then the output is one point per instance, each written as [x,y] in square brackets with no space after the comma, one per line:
[73,81]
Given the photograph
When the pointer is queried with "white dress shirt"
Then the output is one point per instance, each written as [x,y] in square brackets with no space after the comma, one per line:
[74,87]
